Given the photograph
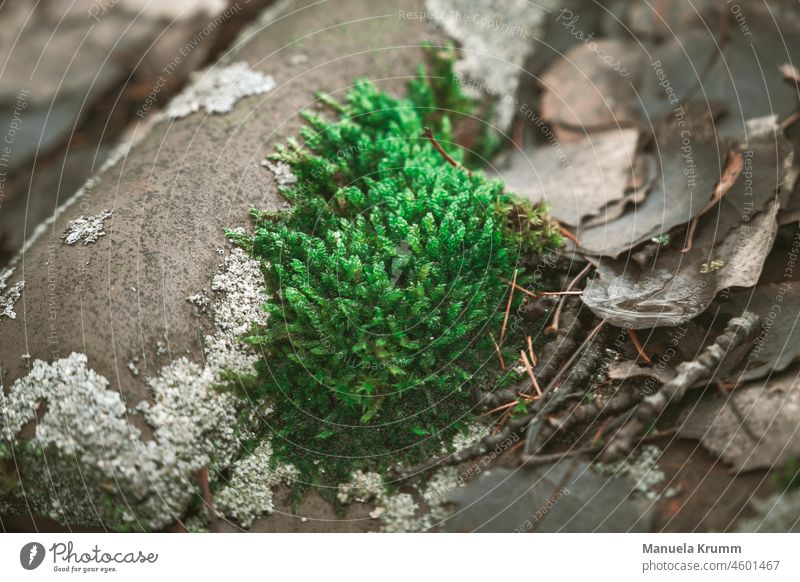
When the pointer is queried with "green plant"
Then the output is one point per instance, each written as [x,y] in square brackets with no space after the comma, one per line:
[385,281]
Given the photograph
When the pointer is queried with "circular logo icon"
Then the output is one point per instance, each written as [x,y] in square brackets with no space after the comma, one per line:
[31,555]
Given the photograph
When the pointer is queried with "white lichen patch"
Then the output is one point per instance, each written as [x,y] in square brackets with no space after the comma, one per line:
[361,488]
[495,36]
[87,422]
[400,512]
[282,172]
[88,229]
[217,89]
[235,304]
[101,469]
[9,295]
[474,433]
[248,494]
[643,471]
[396,512]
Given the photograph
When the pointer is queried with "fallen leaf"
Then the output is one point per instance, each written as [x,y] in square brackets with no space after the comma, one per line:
[730,246]
[679,287]
[733,169]
[776,346]
[565,497]
[770,411]
[645,172]
[583,91]
[577,180]
[689,158]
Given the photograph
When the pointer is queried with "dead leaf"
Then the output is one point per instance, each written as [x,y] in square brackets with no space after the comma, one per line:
[730,246]
[777,344]
[733,168]
[689,158]
[645,172]
[565,497]
[679,287]
[582,91]
[770,412]
[577,180]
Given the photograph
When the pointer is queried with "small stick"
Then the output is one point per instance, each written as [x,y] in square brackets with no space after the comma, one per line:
[517,287]
[589,338]
[534,460]
[639,347]
[733,167]
[428,134]
[499,408]
[599,434]
[539,293]
[535,426]
[497,350]
[790,120]
[530,372]
[553,327]
[508,307]
[518,133]
[534,359]
[568,234]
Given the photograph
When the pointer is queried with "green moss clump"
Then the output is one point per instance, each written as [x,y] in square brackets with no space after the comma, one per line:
[385,278]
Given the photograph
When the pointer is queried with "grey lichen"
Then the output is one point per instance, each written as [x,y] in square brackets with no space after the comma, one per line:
[643,471]
[217,89]
[9,295]
[116,467]
[237,293]
[97,465]
[248,494]
[89,229]
[282,172]
[402,512]
[496,36]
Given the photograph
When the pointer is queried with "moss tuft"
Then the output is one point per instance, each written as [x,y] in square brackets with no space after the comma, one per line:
[385,282]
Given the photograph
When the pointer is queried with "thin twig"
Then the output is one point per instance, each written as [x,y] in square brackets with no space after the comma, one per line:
[535,427]
[534,460]
[568,234]
[508,307]
[537,294]
[534,359]
[497,350]
[639,347]
[519,288]
[557,378]
[553,327]
[205,491]
[530,372]
[733,167]
[499,408]
[428,134]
